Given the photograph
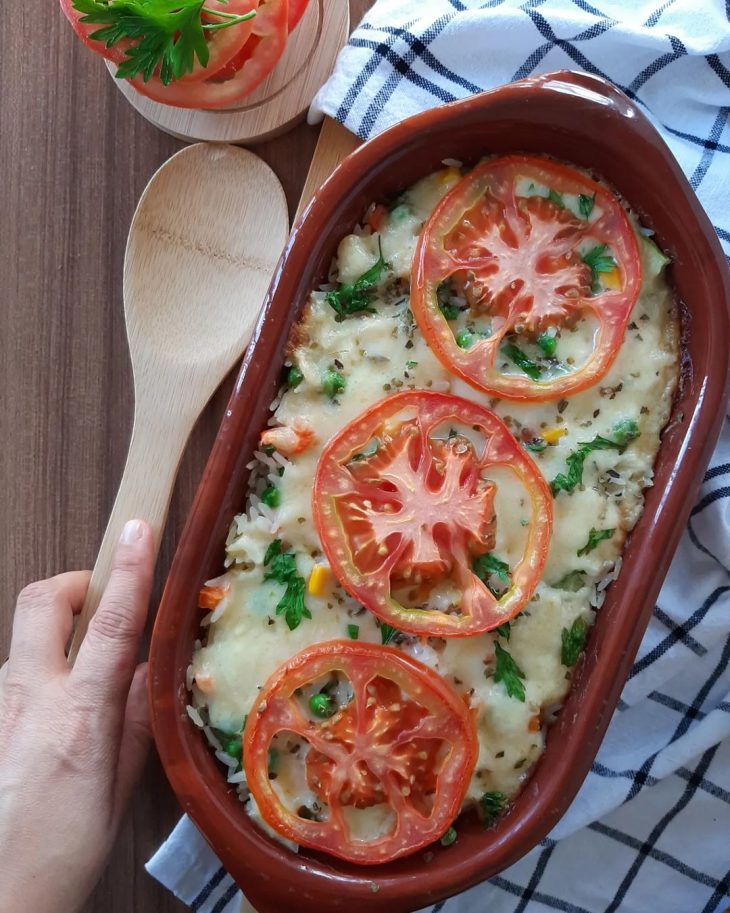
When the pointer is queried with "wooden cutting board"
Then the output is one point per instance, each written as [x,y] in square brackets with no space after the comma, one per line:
[279,102]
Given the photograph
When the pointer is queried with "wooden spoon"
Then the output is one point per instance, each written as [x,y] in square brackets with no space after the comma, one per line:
[202,248]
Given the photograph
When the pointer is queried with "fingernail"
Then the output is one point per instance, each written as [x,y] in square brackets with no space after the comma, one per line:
[132,532]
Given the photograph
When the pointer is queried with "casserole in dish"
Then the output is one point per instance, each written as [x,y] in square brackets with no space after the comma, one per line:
[571,117]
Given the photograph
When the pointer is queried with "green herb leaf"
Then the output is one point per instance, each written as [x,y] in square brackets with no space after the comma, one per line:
[594,537]
[556,198]
[598,261]
[536,445]
[623,432]
[509,673]
[524,363]
[504,630]
[547,343]
[321,705]
[571,582]
[294,377]
[271,496]
[166,36]
[282,567]
[355,298]
[572,642]
[411,364]
[488,566]
[387,632]
[333,382]
[353,632]
[450,311]
[272,760]
[586,204]
[233,746]
[449,837]
[492,805]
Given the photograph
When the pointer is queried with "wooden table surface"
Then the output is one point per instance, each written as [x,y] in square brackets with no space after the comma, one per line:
[74,159]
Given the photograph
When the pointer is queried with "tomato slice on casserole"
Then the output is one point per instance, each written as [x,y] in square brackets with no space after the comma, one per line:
[517,262]
[359,751]
[404,503]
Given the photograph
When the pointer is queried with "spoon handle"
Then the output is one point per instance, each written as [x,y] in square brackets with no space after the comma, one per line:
[144,493]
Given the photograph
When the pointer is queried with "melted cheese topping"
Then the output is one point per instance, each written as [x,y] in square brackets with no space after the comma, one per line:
[381,353]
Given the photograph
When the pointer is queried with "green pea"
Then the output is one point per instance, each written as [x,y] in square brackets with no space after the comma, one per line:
[449,837]
[234,747]
[321,705]
[464,338]
[333,383]
[294,377]
[547,343]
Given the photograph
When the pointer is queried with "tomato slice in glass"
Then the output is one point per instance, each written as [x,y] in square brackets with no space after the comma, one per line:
[268,37]
[523,260]
[386,761]
[404,504]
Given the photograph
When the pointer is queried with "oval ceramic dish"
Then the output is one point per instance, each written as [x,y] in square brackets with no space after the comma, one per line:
[585,121]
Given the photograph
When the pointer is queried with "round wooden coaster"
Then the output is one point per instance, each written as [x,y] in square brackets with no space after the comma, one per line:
[279,102]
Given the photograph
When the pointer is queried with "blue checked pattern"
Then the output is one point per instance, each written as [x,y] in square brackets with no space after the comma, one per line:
[650,827]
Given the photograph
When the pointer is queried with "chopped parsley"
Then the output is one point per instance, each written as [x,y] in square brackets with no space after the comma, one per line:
[356,297]
[586,204]
[571,582]
[492,805]
[556,198]
[623,432]
[333,382]
[449,837]
[572,642]
[294,377]
[411,364]
[536,445]
[487,566]
[509,673]
[504,630]
[282,567]
[271,496]
[598,261]
[353,632]
[525,364]
[450,311]
[387,633]
[594,537]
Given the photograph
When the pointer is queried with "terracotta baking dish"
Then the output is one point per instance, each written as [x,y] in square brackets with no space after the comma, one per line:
[574,117]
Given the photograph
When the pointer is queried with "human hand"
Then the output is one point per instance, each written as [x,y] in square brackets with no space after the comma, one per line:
[72,741]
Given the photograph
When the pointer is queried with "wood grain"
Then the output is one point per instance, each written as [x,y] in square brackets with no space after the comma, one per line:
[75,158]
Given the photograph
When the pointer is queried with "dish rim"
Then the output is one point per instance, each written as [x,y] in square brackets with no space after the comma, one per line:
[271,873]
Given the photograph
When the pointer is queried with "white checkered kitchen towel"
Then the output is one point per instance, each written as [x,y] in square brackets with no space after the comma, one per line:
[650,828]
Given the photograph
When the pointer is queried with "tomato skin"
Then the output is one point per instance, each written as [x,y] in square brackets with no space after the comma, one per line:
[270,27]
[372,586]
[446,719]
[432,264]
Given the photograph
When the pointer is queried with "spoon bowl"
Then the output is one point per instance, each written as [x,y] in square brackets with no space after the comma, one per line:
[202,247]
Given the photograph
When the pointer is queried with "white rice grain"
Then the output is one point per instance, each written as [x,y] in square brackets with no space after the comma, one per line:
[226,759]
[195,716]
[238,777]
[213,740]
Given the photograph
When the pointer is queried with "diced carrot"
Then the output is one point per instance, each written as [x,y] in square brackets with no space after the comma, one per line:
[204,681]
[210,596]
[377,217]
[534,724]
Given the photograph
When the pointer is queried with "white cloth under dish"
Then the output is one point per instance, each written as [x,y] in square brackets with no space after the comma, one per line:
[650,828]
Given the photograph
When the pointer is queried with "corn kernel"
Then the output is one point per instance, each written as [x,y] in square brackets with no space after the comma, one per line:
[450,176]
[553,435]
[611,280]
[319,580]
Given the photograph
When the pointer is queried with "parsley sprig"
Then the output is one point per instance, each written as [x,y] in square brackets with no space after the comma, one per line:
[594,537]
[282,567]
[598,261]
[509,673]
[623,432]
[492,805]
[488,566]
[525,364]
[166,35]
[572,642]
[355,298]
